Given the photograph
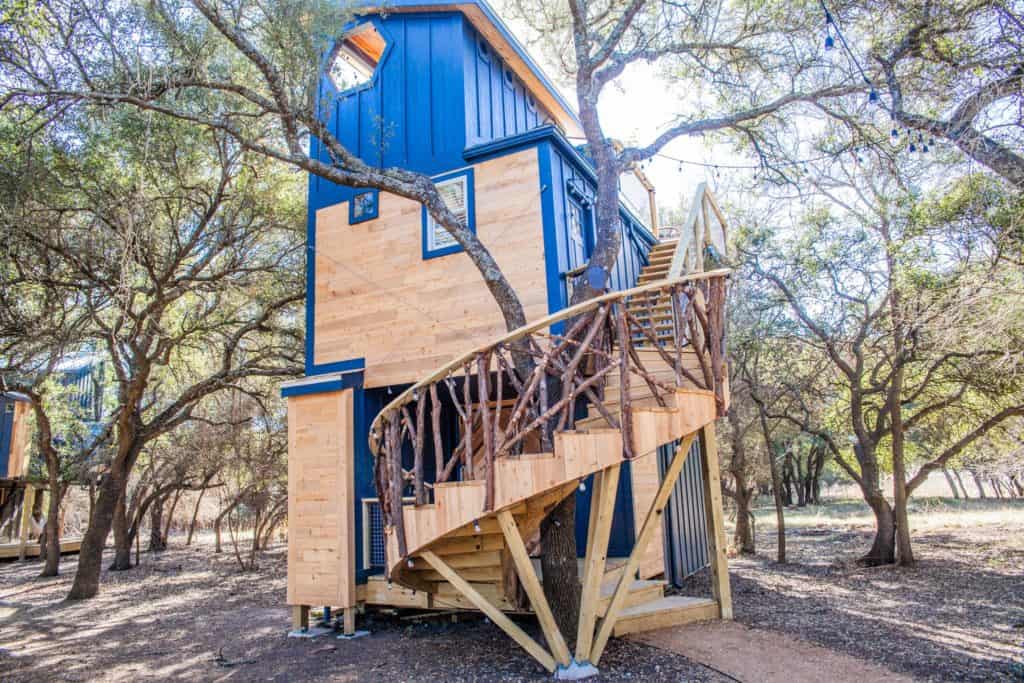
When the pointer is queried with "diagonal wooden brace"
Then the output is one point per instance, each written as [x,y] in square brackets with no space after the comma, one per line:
[652,521]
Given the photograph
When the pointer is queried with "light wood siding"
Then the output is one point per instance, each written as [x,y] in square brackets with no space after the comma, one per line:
[378,299]
[321,500]
[18,461]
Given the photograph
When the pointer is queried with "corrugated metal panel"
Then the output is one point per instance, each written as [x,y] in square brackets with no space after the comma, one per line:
[686,539]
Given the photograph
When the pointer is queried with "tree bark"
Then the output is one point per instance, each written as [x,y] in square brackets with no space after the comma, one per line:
[562,587]
[195,514]
[743,538]
[883,548]
[156,526]
[51,534]
[122,536]
[90,556]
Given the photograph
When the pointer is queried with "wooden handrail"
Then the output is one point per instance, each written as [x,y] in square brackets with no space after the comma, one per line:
[689,238]
[548,321]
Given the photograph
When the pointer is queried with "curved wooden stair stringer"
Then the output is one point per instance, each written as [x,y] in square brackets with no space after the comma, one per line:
[475,534]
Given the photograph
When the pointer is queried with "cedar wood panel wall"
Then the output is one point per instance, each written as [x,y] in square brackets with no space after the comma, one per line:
[378,299]
[16,439]
[321,500]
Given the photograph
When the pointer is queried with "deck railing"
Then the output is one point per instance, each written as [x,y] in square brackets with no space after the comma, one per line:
[513,395]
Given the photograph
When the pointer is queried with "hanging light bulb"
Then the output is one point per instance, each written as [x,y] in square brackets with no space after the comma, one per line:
[583,486]
[476,525]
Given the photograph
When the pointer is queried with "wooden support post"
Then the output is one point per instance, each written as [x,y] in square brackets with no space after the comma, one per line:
[531,584]
[493,613]
[720,588]
[602,510]
[27,503]
[349,620]
[652,522]
[300,617]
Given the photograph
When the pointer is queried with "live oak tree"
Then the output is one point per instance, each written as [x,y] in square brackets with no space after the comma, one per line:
[181,250]
[913,331]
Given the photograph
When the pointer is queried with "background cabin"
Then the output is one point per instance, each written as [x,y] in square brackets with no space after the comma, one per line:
[447,91]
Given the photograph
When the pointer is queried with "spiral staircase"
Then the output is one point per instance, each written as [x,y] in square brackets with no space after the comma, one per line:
[541,410]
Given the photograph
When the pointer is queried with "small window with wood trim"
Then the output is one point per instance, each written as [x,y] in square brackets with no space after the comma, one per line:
[456,190]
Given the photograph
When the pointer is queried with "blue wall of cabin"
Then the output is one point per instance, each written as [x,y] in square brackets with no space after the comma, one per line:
[412,114]
[497,103]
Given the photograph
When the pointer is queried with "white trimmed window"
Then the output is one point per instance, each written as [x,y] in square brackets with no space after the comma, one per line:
[457,194]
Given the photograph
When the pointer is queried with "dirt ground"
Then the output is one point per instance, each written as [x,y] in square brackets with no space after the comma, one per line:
[187,613]
[957,615]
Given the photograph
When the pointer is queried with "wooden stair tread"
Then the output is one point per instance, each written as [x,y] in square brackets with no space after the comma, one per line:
[665,604]
[668,611]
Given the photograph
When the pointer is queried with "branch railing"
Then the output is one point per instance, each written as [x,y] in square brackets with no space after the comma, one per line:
[513,395]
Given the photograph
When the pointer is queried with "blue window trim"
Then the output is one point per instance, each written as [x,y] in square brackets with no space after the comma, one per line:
[352,220]
[470,214]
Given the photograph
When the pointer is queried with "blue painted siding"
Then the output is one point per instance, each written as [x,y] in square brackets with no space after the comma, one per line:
[7,404]
[636,242]
[497,105]
[412,113]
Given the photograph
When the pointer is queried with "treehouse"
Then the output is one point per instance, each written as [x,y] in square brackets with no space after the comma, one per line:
[427,444]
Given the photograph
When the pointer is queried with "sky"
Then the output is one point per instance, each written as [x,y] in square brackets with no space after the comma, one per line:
[635,116]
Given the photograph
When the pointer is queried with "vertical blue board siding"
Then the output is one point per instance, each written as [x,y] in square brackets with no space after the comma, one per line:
[412,113]
[635,241]
[497,104]
[6,429]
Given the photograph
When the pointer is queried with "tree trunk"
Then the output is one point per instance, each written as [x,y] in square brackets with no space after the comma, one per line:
[170,516]
[1017,485]
[743,539]
[773,467]
[195,515]
[901,517]
[156,527]
[977,482]
[90,556]
[956,473]
[561,587]
[122,537]
[952,484]
[883,549]
[51,534]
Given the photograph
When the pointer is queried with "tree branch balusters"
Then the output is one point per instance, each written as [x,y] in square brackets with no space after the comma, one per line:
[501,395]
